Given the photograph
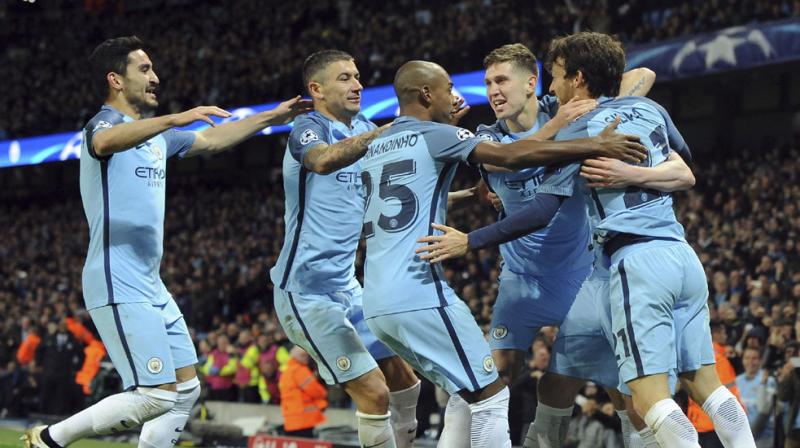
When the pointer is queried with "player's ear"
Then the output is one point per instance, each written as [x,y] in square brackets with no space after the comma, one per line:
[425,95]
[114,81]
[578,80]
[531,86]
[314,90]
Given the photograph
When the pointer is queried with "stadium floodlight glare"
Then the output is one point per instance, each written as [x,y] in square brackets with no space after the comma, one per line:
[376,103]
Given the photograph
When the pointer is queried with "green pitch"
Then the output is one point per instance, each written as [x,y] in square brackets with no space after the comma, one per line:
[9,438]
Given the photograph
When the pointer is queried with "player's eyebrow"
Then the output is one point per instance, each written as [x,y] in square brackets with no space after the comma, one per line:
[145,66]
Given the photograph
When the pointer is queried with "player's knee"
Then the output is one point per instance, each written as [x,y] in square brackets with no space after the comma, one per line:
[155,402]
[188,394]
[370,393]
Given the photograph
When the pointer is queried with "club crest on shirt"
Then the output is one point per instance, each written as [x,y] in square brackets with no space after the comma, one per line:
[308,136]
[488,364]
[499,332]
[103,125]
[464,134]
[485,136]
[154,365]
[157,153]
[343,363]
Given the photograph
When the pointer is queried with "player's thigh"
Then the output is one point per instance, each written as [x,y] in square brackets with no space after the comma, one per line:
[692,332]
[584,345]
[642,291]
[320,325]
[443,344]
[527,303]
[178,337]
[136,340]
[377,349]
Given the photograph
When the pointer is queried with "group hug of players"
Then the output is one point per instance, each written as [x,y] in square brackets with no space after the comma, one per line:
[587,232]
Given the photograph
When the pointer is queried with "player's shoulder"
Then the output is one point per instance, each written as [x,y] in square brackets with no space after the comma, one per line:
[493,132]
[641,102]
[106,117]
[310,127]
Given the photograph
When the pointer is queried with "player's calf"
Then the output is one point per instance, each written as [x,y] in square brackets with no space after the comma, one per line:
[371,396]
[113,414]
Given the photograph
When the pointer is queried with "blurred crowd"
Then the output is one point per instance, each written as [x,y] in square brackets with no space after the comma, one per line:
[742,218]
[248,51]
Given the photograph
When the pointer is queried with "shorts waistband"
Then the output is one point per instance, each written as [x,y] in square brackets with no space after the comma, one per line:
[621,240]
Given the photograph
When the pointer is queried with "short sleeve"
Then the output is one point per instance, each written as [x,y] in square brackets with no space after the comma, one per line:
[450,143]
[560,180]
[106,119]
[549,105]
[178,142]
[487,133]
[306,134]
[674,137]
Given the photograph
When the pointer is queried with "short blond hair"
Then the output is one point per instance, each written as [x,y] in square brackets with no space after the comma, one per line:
[517,54]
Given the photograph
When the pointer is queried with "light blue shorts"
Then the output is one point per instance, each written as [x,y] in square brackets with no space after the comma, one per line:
[659,310]
[443,344]
[584,345]
[331,328]
[526,303]
[145,342]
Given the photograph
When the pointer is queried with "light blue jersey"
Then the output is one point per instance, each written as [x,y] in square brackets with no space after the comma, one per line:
[562,246]
[407,174]
[323,228]
[123,198]
[633,210]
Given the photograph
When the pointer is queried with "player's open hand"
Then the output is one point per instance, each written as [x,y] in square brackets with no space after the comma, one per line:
[458,112]
[287,110]
[621,146]
[572,110]
[451,244]
[200,113]
[604,172]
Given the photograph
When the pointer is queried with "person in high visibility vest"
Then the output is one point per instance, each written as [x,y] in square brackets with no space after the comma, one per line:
[727,376]
[303,397]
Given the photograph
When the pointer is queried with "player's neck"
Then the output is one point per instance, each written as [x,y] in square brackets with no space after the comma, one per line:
[344,118]
[526,119]
[417,111]
[124,107]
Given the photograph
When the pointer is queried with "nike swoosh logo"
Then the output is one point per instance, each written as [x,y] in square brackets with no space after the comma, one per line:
[373,446]
[178,430]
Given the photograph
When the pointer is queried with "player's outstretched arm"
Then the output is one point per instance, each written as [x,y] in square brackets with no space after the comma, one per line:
[325,159]
[125,136]
[530,153]
[227,135]
[453,243]
[671,175]
[637,82]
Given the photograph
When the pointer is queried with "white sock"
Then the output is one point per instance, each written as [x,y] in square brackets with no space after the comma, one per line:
[116,413]
[671,426]
[489,427]
[730,421]
[457,419]
[630,438]
[375,430]
[549,428]
[165,430]
[403,407]
[648,438]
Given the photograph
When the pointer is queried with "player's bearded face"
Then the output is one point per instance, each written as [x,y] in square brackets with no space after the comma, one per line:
[140,82]
[507,89]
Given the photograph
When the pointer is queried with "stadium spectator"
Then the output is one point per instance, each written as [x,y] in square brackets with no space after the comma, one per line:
[247,370]
[757,387]
[220,369]
[59,356]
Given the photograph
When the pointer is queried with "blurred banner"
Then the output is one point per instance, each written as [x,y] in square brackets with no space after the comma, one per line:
[376,103]
[729,49]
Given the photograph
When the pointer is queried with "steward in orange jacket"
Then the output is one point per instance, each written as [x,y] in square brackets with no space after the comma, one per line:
[727,376]
[303,397]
